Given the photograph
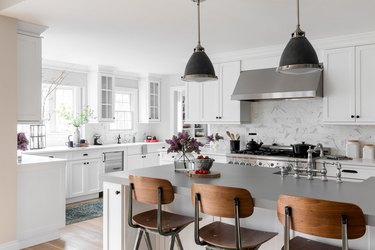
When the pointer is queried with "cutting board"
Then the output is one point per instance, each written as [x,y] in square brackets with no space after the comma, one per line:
[212,174]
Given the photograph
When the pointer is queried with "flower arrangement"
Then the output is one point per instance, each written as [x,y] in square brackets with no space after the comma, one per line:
[184,145]
[79,119]
[214,138]
[22,141]
[183,142]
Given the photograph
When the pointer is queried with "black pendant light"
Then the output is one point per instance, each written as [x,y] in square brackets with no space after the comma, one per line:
[199,67]
[299,56]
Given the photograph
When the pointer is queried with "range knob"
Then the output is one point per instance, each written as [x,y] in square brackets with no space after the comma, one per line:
[230,162]
[242,163]
[248,164]
[236,163]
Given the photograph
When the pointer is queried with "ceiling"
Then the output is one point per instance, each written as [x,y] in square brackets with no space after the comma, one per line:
[159,36]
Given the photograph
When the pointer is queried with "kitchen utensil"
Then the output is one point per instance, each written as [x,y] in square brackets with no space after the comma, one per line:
[234,146]
[253,145]
[237,137]
[230,135]
[300,150]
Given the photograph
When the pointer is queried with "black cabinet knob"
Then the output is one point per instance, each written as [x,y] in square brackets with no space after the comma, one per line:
[117,192]
[357,116]
[217,117]
[352,116]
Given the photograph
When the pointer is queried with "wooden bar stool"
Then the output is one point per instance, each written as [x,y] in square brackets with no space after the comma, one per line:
[329,219]
[156,192]
[225,202]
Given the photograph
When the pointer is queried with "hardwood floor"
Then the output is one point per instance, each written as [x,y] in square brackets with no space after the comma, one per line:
[85,235]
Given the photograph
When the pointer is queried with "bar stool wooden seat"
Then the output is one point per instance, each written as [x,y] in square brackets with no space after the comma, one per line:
[322,218]
[155,192]
[225,202]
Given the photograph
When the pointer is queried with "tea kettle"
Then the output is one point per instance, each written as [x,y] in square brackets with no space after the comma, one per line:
[253,145]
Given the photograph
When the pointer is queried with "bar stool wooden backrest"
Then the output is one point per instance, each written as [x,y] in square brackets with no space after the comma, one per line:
[150,191]
[145,190]
[221,201]
[329,219]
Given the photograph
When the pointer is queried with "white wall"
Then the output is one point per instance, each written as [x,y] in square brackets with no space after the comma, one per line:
[8,125]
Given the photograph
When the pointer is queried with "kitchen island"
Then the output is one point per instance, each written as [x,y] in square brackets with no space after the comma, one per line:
[264,185]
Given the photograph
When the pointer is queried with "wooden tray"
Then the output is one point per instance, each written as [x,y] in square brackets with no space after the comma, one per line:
[212,174]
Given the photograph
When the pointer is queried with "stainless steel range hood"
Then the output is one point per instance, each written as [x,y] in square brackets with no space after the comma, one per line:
[267,84]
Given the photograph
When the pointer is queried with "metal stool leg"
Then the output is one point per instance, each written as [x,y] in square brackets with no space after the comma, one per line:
[148,241]
[179,245]
[138,239]
[171,246]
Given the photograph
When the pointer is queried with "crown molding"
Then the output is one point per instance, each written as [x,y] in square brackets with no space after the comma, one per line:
[71,67]
[30,29]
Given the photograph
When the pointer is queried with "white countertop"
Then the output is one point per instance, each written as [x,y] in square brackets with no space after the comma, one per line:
[34,159]
[55,149]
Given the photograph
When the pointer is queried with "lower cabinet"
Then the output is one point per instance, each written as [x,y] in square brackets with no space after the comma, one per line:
[113,216]
[83,177]
[142,161]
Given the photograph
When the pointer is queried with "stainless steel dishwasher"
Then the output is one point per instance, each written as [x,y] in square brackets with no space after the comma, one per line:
[113,161]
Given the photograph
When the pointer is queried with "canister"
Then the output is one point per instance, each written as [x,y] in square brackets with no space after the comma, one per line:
[352,148]
[368,151]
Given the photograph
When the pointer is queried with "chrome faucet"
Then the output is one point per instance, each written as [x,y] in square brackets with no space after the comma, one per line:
[319,147]
[310,164]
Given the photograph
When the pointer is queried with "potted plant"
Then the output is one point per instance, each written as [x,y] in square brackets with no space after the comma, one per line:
[22,143]
[77,120]
[214,140]
[184,145]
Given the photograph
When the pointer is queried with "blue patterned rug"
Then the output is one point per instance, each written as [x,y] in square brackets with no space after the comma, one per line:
[84,211]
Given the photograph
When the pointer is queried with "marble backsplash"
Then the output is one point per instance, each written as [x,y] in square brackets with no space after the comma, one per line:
[293,121]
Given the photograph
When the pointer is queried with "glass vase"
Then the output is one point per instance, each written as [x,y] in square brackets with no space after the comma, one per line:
[76,136]
[183,161]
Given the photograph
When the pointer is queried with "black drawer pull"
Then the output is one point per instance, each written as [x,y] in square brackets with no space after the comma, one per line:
[85,154]
[117,192]
[51,156]
[350,171]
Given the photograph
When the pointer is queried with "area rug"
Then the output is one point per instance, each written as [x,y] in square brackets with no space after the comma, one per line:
[84,211]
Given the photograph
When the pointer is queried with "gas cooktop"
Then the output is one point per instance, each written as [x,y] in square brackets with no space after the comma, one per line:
[273,150]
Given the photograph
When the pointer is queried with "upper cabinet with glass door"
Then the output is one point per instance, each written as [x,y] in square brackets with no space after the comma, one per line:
[101,86]
[149,100]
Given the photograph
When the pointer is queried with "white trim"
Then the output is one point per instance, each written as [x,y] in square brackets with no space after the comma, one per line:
[82,198]
[41,237]
[70,67]
[30,29]
[10,245]
[172,119]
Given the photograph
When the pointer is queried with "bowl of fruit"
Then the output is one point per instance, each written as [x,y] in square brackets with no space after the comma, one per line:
[203,163]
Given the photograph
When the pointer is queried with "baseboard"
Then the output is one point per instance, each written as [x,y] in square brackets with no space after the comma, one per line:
[82,198]
[11,245]
[39,239]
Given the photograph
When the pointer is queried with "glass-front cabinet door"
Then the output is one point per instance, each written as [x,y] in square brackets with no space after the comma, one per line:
[154,101]
[106,98]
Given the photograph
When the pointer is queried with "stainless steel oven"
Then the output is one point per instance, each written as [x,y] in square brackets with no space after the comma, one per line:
[113,161]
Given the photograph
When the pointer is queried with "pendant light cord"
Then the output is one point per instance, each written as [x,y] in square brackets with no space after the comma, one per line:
[199,23]
[298,24]
[298,32]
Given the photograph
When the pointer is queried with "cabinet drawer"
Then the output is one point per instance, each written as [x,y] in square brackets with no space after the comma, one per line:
[134,150]
[155,148]
[86,154]
[164,156]
[56,155]
[352,172]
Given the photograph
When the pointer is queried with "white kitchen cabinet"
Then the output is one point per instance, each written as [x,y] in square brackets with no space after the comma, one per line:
[210,102]
[101,90]
[348,85]
[149,100]
[143,160]
[193,102]
[29,73]
[113,216]
[83,177]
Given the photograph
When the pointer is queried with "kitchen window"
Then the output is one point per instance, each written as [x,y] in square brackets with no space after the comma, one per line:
[64,96]
[125,109]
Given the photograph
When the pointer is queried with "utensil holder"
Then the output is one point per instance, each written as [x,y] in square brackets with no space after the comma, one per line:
[234,146]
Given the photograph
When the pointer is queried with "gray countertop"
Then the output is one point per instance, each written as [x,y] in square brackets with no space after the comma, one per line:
[264,185]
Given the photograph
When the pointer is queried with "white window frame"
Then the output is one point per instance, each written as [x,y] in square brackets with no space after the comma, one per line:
[78,104]
[133,105]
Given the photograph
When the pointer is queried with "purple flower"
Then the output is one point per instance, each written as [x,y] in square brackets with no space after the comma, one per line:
[213,138]
[183,142]
[22,141]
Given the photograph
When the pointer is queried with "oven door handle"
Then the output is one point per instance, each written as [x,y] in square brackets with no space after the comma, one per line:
[104,157]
